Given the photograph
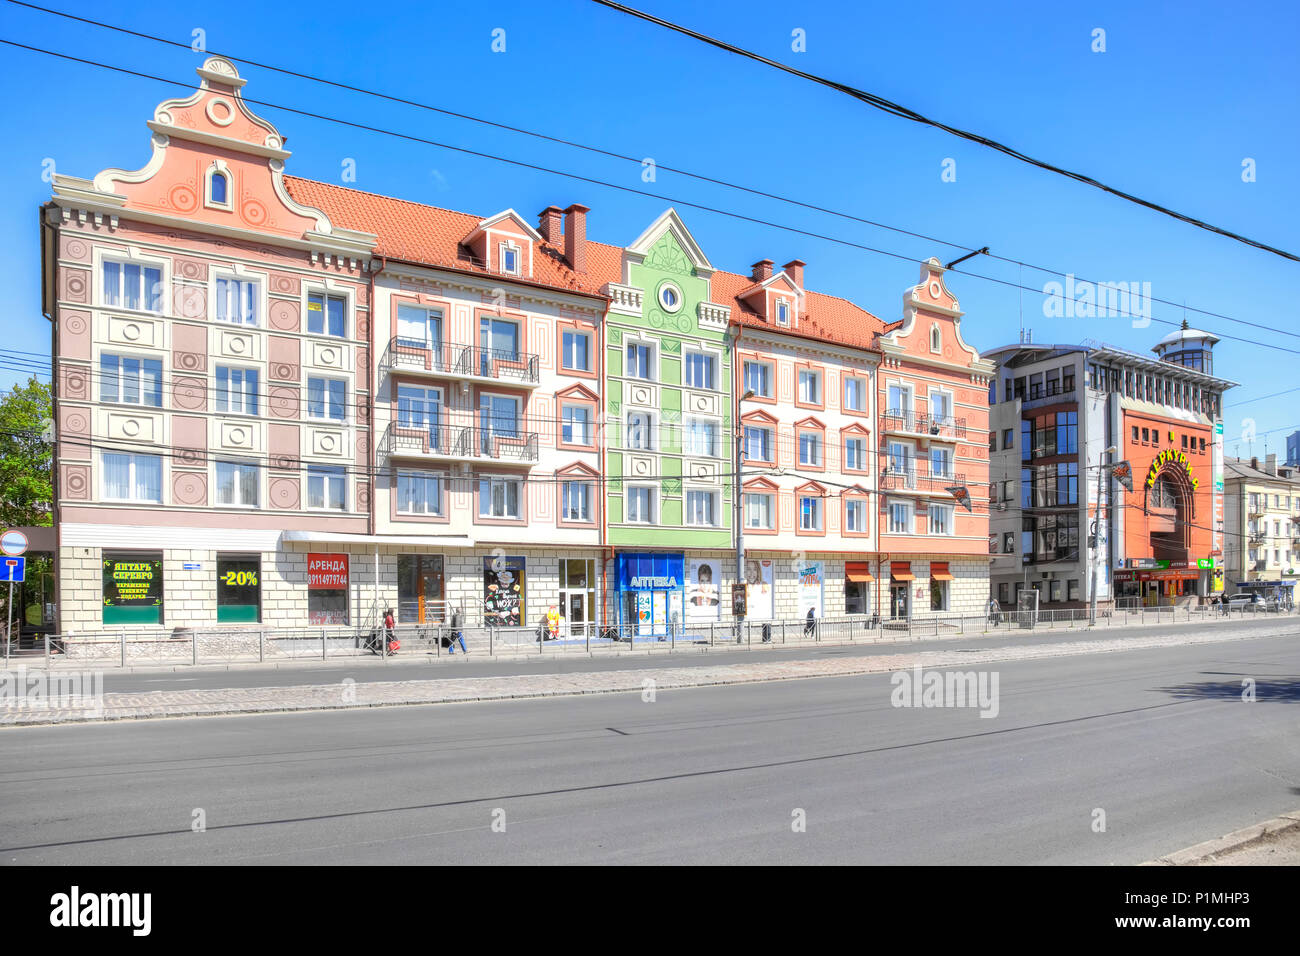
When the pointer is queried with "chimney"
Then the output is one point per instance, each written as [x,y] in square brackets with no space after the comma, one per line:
[794,269]
[762,270]
[575,236]
[1254,464]
[1270,464]
[548,224]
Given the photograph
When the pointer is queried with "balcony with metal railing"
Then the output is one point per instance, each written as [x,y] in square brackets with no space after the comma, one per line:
[459,443]
[916,476]
[898,421]
[471,363]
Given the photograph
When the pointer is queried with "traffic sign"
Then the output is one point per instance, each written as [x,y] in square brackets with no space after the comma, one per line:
[13,543]
[13,570]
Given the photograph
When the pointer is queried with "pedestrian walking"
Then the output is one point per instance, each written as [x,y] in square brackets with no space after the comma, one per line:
[390,632]
[457,632]
[810,625]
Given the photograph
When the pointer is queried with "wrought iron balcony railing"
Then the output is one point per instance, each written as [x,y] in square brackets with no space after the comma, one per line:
[459,442]
[461,361]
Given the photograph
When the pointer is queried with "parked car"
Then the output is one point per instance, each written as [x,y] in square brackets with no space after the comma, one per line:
[1243,599]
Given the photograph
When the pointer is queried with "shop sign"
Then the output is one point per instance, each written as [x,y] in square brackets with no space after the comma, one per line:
[327,572]
[1169,455]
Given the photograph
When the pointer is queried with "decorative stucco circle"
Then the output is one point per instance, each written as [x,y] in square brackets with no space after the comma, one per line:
[238,346]
[327,442]
[220,111]
[934,288]
[238,436]
[254,212]
[131,332]
[183,198]
[130,429]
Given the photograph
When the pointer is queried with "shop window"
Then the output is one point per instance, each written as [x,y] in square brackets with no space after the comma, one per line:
[133,587]
[239,590]
[938,595]
[503,592]
[327,589]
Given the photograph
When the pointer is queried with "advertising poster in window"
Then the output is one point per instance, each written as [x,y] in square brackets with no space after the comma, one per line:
[239,584]
[758,590]
[702,579]
[327,589]
[811,578]
[503,591]
[133,589]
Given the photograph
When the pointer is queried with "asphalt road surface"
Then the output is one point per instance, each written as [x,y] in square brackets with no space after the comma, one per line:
[1160,740]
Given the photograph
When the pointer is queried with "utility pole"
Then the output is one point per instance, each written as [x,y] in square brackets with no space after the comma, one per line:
[1096,533]
[737,509]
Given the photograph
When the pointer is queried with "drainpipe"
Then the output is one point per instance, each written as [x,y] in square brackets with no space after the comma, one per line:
[373,374]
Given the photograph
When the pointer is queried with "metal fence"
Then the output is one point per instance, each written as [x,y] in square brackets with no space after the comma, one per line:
[149,648]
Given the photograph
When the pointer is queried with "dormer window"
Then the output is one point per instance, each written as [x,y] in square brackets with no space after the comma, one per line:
[218,186]
[510,258]
[782,312]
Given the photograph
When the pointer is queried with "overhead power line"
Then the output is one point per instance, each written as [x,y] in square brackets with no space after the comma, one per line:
[903,112]
[619,187]
[701,177]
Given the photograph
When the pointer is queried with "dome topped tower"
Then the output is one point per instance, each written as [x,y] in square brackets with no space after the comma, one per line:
[1188,347]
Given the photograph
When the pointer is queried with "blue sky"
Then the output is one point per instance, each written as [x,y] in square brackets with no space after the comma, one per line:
[1181,96]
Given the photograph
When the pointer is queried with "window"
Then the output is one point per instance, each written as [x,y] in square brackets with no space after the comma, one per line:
[131,285]
[420,329]
[576,347]
[936,342]
[938,595]
[941,463]
[325,314]
[758,379]
[576,425]
[758,443]
[810,513]
[1135,433]
[1008,542]
[499,497]
[640,431]
[670,297]
[702,508]
[326,398]
[900,517]
[1004,593]
[237,483]
[699,370]
[576,501]
[420,408]
[236,390]
[940,519]
[941,408]
[419,493]
[782,312]
[640,361]
[133,587]
[239,590]
[132,477]
[327,588]
[510,258]
[759,511]
[1008,438]
[810,387]
[498,339]
[325,488]
[1072,589]
[218,189]
[640,505]
[855,395]
[498,418]
[900,460]
[899,400]
[701,437]
[810,448]
[855,516]
[237,301]
[855,454]
[130,381]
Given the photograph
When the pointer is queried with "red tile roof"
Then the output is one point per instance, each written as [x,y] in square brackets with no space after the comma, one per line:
[428,235]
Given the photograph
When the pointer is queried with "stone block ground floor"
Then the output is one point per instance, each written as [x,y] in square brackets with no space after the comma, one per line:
[232,580]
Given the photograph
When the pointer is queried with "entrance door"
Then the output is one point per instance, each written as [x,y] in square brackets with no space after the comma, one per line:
[433,605]
[899,601]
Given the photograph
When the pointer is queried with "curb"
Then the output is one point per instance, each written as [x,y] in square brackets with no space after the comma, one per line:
[1235,840]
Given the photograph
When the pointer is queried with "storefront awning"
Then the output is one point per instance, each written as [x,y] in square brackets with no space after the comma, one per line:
[901,571]
[857,571]
[939,571]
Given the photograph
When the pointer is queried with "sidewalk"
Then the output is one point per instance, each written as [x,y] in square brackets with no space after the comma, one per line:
[347,693]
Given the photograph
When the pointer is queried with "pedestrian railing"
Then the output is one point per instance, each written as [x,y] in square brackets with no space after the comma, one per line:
[163,647]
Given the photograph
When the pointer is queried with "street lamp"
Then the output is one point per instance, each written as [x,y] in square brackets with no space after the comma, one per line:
[1096,531]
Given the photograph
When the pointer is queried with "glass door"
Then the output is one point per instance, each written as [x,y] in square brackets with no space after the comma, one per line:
[421,329]
[498,341]
[498,418]
[420,408]
[899,601]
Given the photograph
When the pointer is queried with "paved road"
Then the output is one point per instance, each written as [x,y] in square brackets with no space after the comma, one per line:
[1160,740]
[426,668]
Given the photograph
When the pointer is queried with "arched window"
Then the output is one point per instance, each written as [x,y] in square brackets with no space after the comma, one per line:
[219,188]
[935,340]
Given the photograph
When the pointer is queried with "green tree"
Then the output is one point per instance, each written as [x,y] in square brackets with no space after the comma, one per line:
[26,455]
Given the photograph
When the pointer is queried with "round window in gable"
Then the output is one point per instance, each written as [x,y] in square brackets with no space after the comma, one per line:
[670,297]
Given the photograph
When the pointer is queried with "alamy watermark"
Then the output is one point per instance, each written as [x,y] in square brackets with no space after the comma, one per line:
[42,690]
[1076,299]
[921,688]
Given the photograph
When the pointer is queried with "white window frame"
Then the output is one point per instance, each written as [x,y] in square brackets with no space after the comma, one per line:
[325,415]
[819,442]
[768,439]
[712,428]
[949,400]
[908,395]
[861,382]
[782,311]
[564,351]
[947,515]
[219,168]
[951,461]
[652,358]
[567,423]
[133,457]
[855,440]
[714,368]
[587,489]
[651,506]
[243,393]
[769,509]
[677,293]
[818,512]
[325,295]
[259,296]
[122,377]
[648,444]
[909,512]
[505,248]
[122,260]
[328,475]
[239,465]
[504,481]
[936,339]
[713,506]
[769,369]
[424,477]
[858,506]
[813,376]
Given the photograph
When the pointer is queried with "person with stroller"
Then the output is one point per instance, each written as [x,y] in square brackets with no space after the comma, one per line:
[457,632]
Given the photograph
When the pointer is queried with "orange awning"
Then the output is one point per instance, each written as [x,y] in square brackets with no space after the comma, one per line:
[901,571]
[939,571]
[858,572]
